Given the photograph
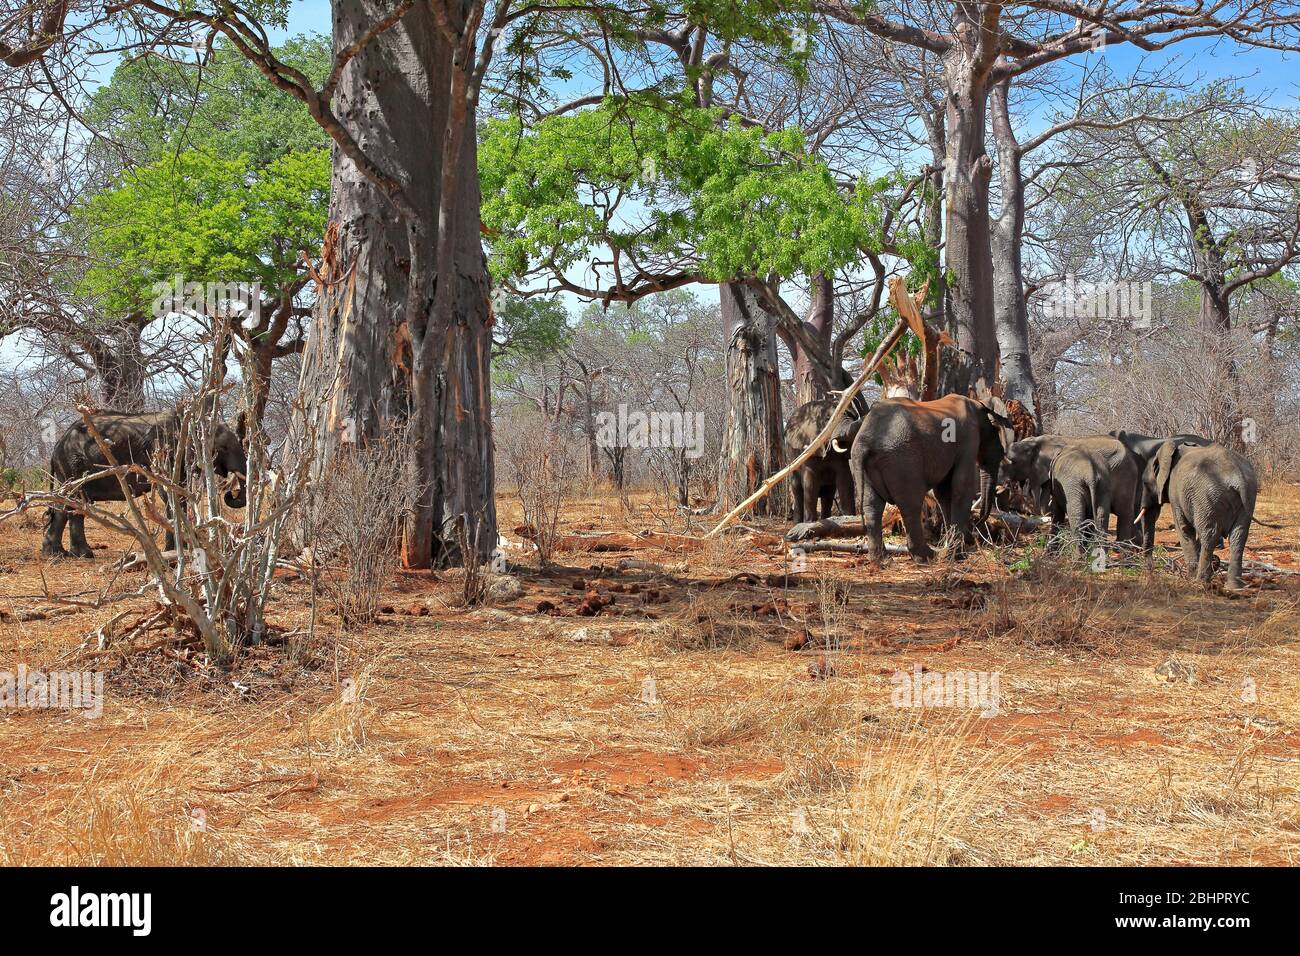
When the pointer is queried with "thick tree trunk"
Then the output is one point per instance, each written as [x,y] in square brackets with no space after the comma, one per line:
[1011,312]
[120,364]
[382,354]
[967,251]
[752,438]
[810,381]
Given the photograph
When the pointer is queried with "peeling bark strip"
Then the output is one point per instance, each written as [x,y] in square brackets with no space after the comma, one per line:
[752,445]
[390,343]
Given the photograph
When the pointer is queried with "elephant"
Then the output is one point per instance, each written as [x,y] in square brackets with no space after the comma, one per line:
[132,438]
[827,474]
[905,448]
[1032,461]
[1211,490]
[1144,448]
[1087,486]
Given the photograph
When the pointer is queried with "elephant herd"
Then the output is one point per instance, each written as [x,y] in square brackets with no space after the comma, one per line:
[955,447]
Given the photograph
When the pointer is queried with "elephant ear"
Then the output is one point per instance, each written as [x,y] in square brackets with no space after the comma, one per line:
[1164,463]
[1040,469]
[995,411]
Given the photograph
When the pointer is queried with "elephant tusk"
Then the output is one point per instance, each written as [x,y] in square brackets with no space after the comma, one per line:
[835,443]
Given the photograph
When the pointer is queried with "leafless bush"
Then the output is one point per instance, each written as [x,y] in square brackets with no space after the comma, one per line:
[357,514]
[216,583]
[1191,378]
[542,464]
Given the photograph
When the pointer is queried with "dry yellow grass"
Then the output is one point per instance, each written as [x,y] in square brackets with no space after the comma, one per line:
[680,730]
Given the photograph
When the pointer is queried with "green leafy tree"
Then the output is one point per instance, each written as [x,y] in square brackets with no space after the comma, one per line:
[200,218]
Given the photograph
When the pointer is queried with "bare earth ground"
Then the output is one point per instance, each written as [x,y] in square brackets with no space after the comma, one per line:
[675,726]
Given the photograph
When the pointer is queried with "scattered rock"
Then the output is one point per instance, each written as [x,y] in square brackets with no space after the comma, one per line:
[504,587]
[545,607]
[1173,671]
[797,641]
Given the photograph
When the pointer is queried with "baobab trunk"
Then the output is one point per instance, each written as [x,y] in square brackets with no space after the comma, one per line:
[810,380]
[381,356]
[967,251]
[752,438]
[1011,312]
[119,361]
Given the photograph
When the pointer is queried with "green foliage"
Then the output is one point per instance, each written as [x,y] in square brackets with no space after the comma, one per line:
[220,176]
[155,106]
[204,217]
[658,178]
[530,328]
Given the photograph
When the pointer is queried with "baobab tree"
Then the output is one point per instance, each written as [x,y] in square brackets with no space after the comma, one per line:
[982,43]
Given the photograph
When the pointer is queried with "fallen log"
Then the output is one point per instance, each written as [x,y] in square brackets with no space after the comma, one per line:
[848,547]
[840,526]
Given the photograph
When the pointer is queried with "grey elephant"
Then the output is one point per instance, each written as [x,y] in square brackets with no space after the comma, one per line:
[132,438]
[1144,448]
[1087,486]
[1211,491]
[904,448]
[1033,461]
[827,474]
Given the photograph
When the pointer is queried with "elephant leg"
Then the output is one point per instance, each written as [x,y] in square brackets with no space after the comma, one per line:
[1187,538]
[965,481]
[796,486]
[911,508]
[1237,550]
[1207,539]
[1100,517]
[943,498]
[52,543]
[873,509]
[827,498]
[844,490]
[77,536]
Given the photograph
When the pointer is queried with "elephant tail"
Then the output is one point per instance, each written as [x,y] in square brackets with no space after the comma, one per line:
[1265,524]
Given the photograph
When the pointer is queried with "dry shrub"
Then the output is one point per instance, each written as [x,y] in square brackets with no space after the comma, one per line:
[357,515]
[833,609]
[915,795]
[541,463]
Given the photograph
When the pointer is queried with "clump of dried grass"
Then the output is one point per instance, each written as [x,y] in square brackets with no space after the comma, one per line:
[122,825]
[346,721]
[705,623]
[915,796]
[785,718]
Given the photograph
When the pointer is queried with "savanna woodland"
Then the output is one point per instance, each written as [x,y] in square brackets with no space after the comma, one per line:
[707,432]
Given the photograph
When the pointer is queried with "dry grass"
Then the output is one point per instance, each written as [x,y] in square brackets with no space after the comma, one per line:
[682,731]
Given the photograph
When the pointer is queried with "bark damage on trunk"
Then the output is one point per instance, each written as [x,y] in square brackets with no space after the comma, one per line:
[752,445]
[402,333]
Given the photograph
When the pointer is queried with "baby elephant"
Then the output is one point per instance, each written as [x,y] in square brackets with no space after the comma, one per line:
[1073,487]
[1084,489]
[1211,491]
